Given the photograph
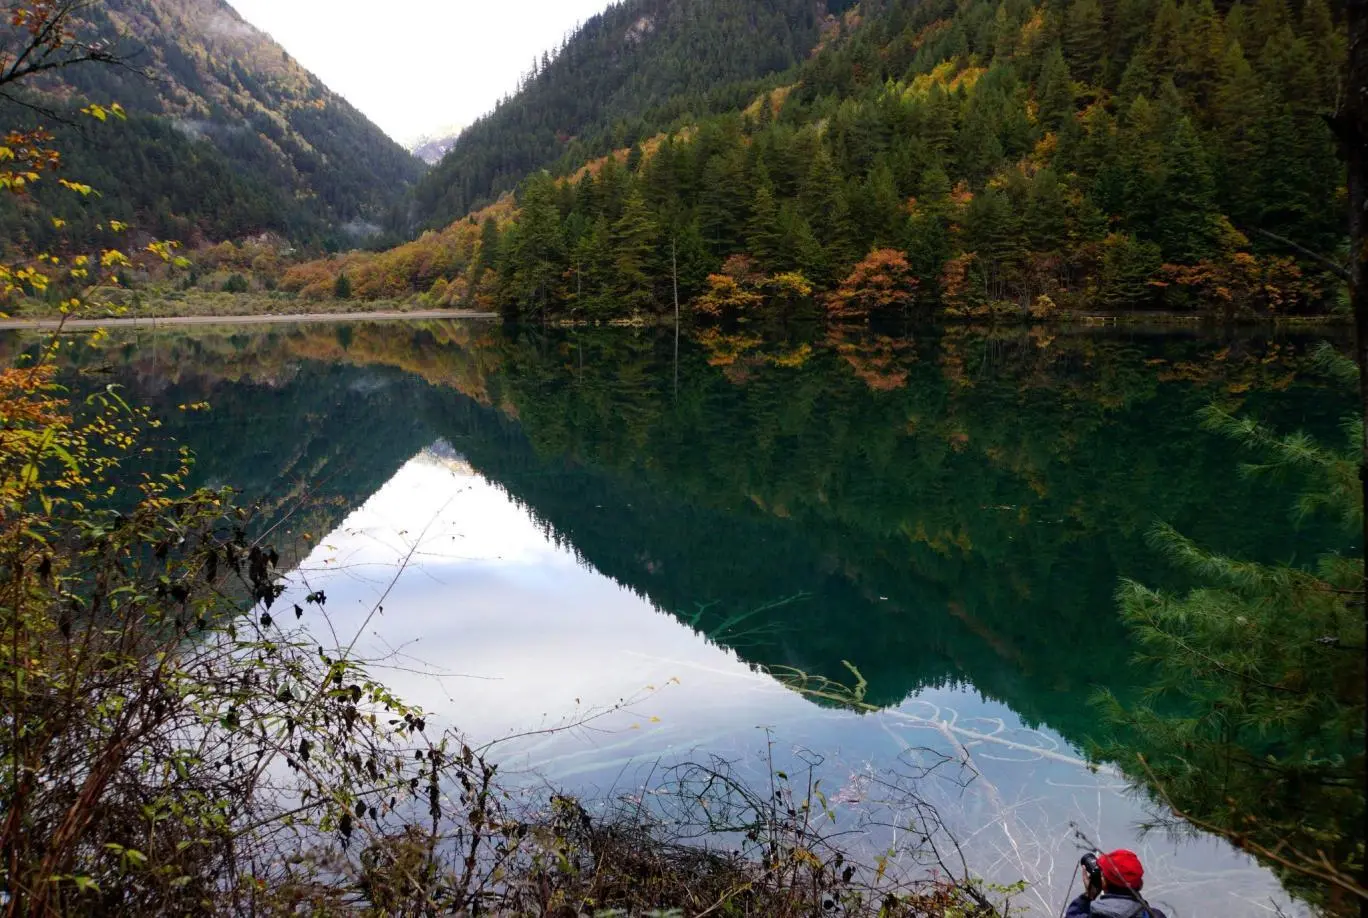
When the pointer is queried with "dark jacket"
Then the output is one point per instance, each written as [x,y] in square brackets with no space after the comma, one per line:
[1111,905]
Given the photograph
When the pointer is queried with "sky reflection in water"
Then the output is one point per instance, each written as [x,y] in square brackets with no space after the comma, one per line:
[500,631]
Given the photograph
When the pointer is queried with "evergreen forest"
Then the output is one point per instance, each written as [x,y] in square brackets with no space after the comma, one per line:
[968,158]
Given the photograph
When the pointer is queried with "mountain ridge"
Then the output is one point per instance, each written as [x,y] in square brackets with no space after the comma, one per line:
[616,80]
[970,158]
[292,157]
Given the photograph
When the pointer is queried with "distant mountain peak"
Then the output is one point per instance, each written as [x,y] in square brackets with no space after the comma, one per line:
[430,148]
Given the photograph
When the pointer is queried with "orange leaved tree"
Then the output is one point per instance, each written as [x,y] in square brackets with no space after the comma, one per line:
[882,283]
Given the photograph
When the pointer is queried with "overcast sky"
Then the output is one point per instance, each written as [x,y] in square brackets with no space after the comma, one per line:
[418,67]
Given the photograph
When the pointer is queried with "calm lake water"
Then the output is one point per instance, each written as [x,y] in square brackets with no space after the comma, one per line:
[680,549]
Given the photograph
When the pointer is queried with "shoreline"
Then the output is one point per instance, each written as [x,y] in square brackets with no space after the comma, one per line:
[1081,321]
[75,324]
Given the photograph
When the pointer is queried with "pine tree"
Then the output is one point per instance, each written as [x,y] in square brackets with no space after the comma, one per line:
[1238,114]
[723,201]
[1326,43]
[634,241]
[993,232]
[762,230]
[1187,228]
[1137,80]
[798,248]
[928,229]
[979,148]
[1165,51]
[589,289]
[488,252]
[823,201]
[884,214]
[1140,148]
[691,259]
[534,256]
[1047,213]
[1055,91]
[1129,27]
[1128,267]
[1253,728]
[1085,38]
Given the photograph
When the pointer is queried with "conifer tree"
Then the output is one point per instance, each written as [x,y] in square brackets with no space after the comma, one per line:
[1085,38]
[1237,114]
[1164,53]
[1129,26]
[823,201]
[723,200]
[1327,45]
[1140,147]
[690,259]
[1128,267]
[979,147]
[798,250]
[533,258]
[993,232]
[1259,670]
[488,252]
[588,290]
[1188,228]
[1137,80]
[762,230]
[1055,92]
[1047,213]
[634,242]
[883,215]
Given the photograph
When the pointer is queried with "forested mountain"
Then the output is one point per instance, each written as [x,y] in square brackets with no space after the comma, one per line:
[972,157]
[227,135]
[625,73]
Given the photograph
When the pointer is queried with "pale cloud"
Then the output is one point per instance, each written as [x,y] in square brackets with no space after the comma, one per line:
[417,67]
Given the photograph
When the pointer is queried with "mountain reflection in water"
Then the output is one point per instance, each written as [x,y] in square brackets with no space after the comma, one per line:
[582,519]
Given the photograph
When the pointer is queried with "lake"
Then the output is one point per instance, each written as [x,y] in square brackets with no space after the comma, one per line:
[615,549]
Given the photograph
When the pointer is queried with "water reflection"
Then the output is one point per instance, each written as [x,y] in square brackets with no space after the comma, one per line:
[588,685]
[579,537]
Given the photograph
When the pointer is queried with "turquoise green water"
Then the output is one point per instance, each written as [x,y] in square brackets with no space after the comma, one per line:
[688,544]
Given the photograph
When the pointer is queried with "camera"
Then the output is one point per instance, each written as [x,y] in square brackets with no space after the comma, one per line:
[1092,869]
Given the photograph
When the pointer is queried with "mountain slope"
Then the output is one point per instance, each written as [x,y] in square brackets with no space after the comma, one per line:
[962,157]
[639,64]
[981,157]
[211,94]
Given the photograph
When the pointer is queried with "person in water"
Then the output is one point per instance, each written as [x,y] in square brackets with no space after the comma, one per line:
[1113,890]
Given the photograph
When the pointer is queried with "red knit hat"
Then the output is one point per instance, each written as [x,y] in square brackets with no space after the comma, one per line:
[1122,869]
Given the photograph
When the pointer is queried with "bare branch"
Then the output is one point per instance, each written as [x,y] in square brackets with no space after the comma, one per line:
[1335,267]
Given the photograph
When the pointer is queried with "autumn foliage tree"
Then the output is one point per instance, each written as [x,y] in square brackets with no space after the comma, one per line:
[881,283]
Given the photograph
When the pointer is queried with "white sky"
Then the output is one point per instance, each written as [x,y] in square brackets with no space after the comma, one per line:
[418,67]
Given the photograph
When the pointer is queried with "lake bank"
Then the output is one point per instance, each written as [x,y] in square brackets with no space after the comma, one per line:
[71,324]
